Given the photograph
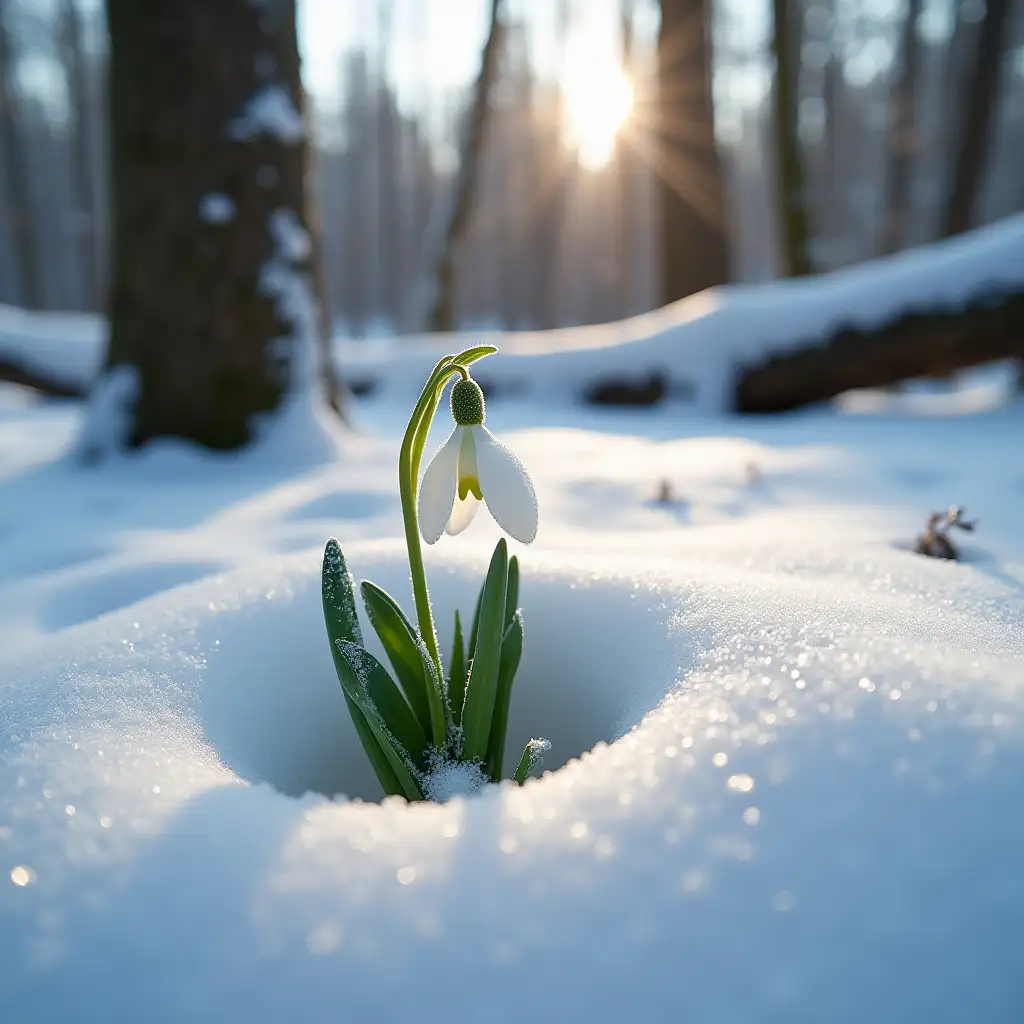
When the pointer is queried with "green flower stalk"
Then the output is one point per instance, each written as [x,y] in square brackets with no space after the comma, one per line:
[427,724]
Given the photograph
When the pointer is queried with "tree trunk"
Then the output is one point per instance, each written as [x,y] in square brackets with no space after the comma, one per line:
[213,301]
[81,150]
[928,343]
[902,134]
[832,94]
[979,111]
[442,313]
[19,195]
[693,230]
[625,207]
[793,221]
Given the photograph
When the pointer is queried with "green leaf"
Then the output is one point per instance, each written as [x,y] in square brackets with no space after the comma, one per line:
[511,653]
[385,697]
[458,673]
[374,751]
[483,674]
[338,597]
[405,651]
[533,757]
[475,626]
[470,355]
[363,678]
[343,624]
[512,591]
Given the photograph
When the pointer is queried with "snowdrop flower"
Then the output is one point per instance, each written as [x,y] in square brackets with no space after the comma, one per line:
[474,466]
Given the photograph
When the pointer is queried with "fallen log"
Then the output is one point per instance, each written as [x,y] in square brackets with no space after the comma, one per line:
[47,383]
[930,342]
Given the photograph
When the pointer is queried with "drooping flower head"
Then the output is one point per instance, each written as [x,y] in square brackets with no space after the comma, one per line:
[474,466]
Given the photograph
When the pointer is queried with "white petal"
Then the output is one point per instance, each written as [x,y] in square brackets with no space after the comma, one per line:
[506,488]
[467,456]
[437,491]
[463,514]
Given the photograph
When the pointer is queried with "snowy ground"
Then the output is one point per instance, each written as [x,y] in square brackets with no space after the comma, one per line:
[815,818]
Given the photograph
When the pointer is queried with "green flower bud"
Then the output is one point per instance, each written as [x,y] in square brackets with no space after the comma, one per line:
[467,403]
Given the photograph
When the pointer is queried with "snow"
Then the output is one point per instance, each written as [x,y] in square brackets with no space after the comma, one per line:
[217,208]
[301,428]
[107,425]
[700,342]
[786,752]
[269,112]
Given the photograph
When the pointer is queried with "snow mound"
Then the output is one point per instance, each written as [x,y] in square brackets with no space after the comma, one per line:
[816,821]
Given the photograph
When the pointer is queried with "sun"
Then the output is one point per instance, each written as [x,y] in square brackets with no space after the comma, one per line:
[599,99]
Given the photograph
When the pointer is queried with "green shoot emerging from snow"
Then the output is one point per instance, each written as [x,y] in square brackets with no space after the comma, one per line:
[431,734]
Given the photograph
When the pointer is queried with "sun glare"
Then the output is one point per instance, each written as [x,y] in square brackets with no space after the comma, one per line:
[599,99]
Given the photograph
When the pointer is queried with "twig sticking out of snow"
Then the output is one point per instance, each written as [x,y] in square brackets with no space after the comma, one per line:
[935,542]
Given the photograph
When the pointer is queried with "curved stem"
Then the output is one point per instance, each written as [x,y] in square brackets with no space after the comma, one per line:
[409,459]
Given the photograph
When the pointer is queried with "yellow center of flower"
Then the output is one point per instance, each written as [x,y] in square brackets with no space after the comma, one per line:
[467,484]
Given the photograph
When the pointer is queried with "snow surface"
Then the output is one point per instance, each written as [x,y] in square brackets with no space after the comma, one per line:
[806,743]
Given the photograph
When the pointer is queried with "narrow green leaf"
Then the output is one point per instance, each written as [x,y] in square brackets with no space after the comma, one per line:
[362,677]
[483,675]
[458,673]
[475,626]
[343,624]
[378,759]
[385,697]
[511,653]
[408,658]
[470,355]
[512,591]
[338,597]
[533,757]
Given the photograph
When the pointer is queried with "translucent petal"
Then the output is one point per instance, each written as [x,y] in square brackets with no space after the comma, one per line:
[469,480]
[507,489]
[463,514]
[437,491]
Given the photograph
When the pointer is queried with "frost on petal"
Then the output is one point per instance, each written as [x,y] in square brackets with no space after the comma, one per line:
[463,514]
[507,489]
[437,491]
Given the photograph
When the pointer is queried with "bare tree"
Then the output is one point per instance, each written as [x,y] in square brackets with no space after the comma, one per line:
[794,223]
[16,171]
[72,52]
[981,103]
[693,230]
[442,312]
[903,140]
[212,306]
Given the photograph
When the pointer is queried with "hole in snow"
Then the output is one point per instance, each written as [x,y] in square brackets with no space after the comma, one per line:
[599,655]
